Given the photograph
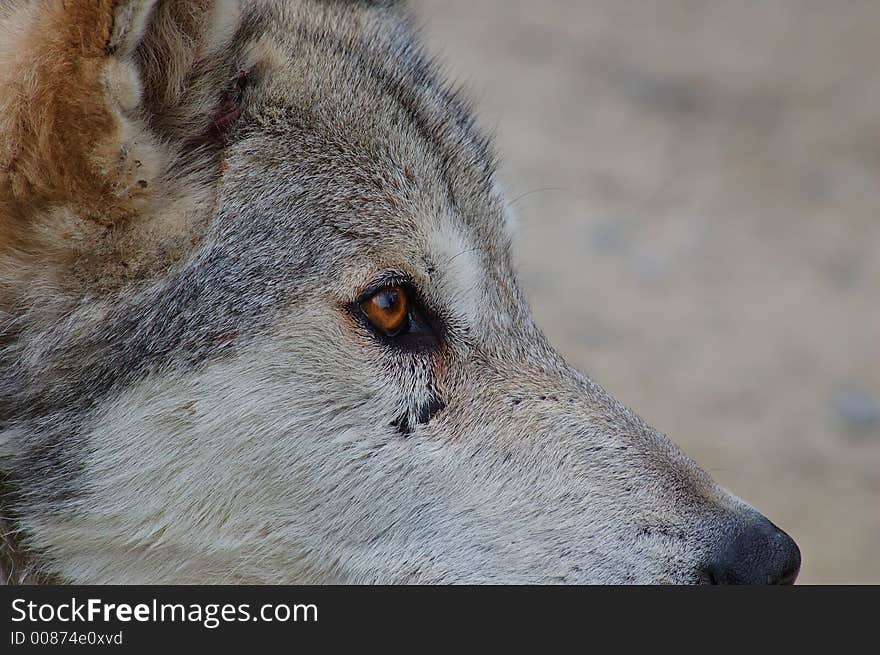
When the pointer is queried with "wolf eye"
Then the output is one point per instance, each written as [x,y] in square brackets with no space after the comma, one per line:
[388,309]
[399,317]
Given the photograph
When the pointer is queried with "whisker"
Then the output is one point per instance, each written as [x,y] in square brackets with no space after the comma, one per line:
[511,203]
[463,252]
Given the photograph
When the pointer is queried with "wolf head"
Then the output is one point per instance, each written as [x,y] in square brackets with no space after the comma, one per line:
[260,324]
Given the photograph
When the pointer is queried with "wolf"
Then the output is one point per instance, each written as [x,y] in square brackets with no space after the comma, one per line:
[259,323]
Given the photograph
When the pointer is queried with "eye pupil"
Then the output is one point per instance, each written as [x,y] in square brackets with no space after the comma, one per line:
[387,309]
[388,301]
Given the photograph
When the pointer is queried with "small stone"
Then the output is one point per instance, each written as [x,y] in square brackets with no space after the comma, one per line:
[857,408]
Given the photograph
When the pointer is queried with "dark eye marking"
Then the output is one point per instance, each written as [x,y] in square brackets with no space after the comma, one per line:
[428,410]
[398,317]
[423,415]
[401,424]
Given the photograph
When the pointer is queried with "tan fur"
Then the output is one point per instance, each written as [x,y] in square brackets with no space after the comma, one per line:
[61,137]
[85,199]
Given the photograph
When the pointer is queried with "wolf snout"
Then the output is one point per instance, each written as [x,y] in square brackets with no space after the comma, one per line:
[754,552]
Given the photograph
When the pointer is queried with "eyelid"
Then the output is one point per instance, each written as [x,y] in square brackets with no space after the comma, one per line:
[385,280]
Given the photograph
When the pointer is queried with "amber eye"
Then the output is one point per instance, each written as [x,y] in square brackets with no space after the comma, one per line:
[387,309]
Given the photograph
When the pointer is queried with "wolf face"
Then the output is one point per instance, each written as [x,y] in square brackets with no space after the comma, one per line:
[260,324]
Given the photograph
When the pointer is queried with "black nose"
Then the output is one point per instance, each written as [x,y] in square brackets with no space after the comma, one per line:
[755,552]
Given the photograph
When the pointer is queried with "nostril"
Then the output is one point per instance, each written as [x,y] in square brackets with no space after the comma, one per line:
[754,552]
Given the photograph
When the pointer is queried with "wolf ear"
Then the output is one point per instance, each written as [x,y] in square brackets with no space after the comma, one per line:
[92,94]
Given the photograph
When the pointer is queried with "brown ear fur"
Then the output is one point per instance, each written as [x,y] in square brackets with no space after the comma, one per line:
[100,103]
[64,138]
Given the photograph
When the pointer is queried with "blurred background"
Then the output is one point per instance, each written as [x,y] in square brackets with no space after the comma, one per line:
[698,192]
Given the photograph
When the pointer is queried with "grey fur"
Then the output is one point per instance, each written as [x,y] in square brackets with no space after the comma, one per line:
[350,148]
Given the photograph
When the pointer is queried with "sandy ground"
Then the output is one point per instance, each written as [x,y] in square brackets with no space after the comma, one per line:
[698,192]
